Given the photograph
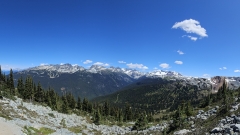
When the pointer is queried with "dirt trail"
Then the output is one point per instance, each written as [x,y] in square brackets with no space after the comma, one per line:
[7,128]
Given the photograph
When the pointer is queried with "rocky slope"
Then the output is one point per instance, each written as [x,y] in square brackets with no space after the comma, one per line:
[20,116]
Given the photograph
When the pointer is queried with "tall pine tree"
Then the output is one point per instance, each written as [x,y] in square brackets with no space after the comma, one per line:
[20,87]
[79,103]
[11,83]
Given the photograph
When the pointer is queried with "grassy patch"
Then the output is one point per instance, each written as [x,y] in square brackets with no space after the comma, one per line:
[46,131]
[4,113]
[34,131]
[76,130]
[5,116]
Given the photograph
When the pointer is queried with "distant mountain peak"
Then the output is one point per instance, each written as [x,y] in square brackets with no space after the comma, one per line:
[69,68]
[61,68]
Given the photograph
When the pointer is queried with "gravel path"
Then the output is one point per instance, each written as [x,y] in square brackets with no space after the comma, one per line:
[9,128]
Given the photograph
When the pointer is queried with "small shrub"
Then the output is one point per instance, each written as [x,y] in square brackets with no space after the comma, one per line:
[51,115]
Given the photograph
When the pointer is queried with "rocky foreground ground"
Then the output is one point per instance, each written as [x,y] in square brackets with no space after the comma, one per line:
[230,125]
[18,115]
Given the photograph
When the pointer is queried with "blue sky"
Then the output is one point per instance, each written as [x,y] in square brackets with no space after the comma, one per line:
[192,37]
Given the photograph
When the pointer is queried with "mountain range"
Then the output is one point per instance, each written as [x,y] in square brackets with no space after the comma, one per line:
[99,80]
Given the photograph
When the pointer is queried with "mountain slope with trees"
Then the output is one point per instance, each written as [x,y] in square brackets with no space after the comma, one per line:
[82,83]
[156,94]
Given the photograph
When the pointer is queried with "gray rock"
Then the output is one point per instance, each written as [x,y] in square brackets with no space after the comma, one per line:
[203,117]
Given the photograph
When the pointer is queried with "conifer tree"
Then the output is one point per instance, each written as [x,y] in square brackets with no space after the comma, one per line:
[53,98]
[85,104]
[120,116]
[89,107]
[141,122]
[28,88]
[48,98]
[11,83]
[128,113]
[150,117]
[8,83]
[97,117]
[4,77]
[64,107]
[39,95]
[20,87]
[79,103]
[71,101]
[106,110]
[189,109]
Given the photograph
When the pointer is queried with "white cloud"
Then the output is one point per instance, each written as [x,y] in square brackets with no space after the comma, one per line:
[180,52]
[164,65]
[155,68]
[87,62]
[237,71]
[74,64]
[193,38]
[140,66]
[191,26]
[178,62]
[223,68]
[42,64]
[62,63]
[101,64]
[122,62]
[206,75]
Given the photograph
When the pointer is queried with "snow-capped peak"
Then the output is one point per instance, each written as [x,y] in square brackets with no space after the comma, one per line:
[62,68]
[161,73]
[69,68]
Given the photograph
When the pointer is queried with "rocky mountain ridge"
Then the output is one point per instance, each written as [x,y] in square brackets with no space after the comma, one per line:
[68,68]
[99,80]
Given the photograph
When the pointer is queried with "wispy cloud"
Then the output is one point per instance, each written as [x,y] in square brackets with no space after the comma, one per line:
[62,63]
[155,68]
[193,38]
[223,68]
[164,65]
[191,26]
[237,71]
[42,64]
[87,62]
[206,75]
[178,62]
[139,66]
[180,52]
[101,64]
[121,62]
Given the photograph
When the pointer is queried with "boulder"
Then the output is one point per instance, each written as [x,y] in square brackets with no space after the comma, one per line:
[216,130]
[182,132]
[236,128]
[203,117]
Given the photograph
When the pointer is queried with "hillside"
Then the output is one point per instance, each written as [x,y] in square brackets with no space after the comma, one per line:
[79,82]
[155,94]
